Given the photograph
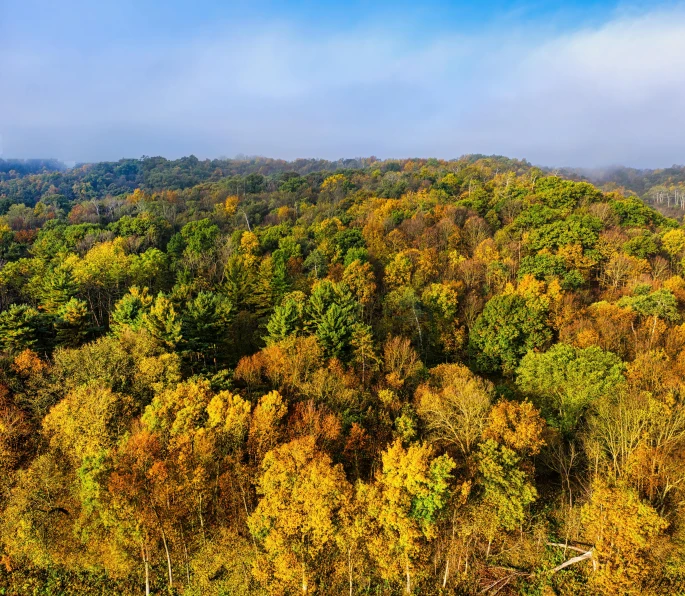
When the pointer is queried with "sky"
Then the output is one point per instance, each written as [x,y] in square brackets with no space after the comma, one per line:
[585,83]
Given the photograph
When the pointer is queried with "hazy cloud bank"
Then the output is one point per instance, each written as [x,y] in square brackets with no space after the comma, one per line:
[594,96]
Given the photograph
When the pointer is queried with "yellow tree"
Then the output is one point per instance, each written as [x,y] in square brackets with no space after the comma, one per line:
[359,277]
[673,243]
[401,362]
[265,425]
[354,536]
[15,436]
[519,426]
[171,464]
[88,421]
[454,405]
[298,517]
[101,277]
[335,187]
[406,500]
[37,524]
[623,530]
[84,430]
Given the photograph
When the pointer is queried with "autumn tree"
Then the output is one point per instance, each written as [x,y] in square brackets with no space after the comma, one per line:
[409,494]
[298,516]
[455,405]
[623,530]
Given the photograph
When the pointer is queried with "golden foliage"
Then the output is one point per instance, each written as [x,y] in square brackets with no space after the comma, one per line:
[518,425]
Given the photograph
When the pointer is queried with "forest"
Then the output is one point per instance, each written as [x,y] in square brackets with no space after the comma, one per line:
[362,377]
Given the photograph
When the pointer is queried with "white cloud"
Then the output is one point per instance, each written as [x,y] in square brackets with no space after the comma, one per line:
[605,95]
[608,94]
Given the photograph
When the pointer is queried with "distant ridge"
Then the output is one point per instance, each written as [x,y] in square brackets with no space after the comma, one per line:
[31,166]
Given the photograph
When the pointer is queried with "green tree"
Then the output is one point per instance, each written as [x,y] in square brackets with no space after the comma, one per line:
[163,322]
[205,324]
[72,323]
[59,287]
[200,236]
[507,329]
[287,318]
[129,311]
[21,327]
[658,304]
[332,314]
[565,381]
[507,490]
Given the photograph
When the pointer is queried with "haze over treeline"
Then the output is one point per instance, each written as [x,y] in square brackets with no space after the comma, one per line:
[645,182]
[588,83]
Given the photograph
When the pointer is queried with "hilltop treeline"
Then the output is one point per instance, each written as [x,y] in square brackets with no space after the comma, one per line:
[364,377]
[31,181]
[16,168]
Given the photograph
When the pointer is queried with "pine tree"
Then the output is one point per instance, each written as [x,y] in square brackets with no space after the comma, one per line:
[58,289]
[332,313]
[21,327]
[205,323]
[129,311]
[72,323]
[286,318]
[163,322]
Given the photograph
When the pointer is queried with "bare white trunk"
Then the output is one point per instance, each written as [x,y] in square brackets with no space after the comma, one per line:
[168,560]
[147,567]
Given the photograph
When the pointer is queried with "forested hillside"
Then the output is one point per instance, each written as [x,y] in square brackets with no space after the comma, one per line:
[356,377]
[662,188]
[15,168]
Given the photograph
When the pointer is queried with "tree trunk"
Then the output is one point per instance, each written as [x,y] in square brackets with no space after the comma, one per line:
[587,555]
[147,567]
[185,555]
[168,560]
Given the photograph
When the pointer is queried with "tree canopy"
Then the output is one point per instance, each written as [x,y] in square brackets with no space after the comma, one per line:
[361,377]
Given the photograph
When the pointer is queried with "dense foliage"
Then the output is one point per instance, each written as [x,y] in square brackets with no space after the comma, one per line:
[361,377]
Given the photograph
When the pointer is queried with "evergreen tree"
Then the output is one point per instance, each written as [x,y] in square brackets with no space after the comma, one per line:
[332,314]
[58,289]
[129,311]
[163,322]
[206,319]
[72,323]
[21,327]
[286,318]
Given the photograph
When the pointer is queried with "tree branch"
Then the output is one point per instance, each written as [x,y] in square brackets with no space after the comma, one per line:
[566,546]
[587,555]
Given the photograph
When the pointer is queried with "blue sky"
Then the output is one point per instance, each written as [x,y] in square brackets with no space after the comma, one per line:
[559,83]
